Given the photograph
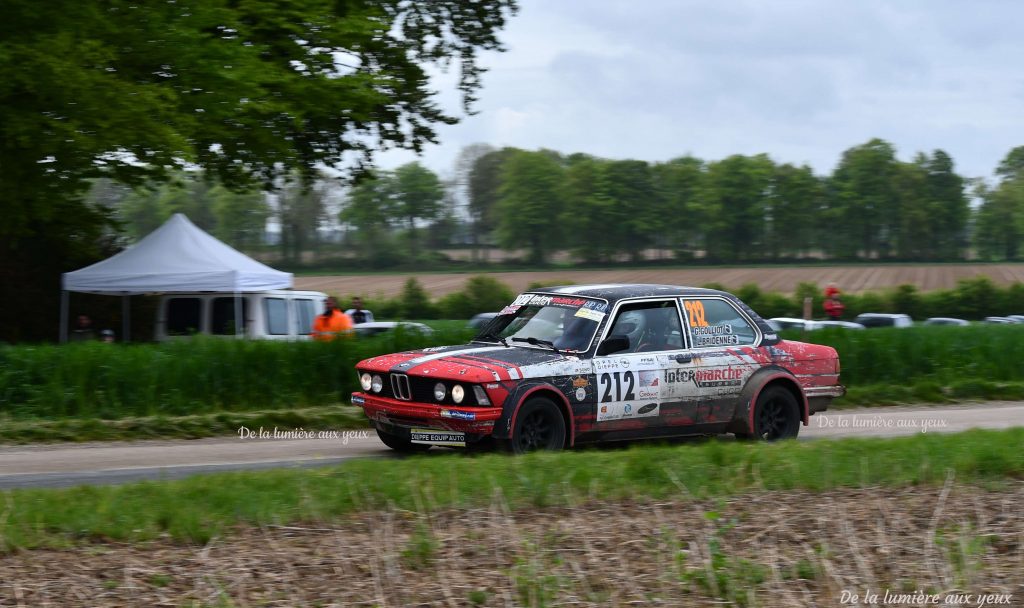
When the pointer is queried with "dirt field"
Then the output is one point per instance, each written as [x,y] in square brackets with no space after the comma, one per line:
[851,279]
[769,549]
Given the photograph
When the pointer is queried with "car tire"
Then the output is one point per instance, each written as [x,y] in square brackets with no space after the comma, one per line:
[776,415]
[401,444]
[539,426]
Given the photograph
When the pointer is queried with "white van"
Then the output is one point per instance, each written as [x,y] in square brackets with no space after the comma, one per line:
[280,314]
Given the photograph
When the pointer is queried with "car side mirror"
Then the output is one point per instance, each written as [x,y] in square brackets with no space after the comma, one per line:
[614,344]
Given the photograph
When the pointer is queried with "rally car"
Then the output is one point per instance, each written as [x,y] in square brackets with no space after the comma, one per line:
[563,366]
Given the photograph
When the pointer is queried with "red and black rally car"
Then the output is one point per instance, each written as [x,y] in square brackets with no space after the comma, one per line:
[567,365]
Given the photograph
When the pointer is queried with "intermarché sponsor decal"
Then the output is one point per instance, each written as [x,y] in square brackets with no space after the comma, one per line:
[706,378]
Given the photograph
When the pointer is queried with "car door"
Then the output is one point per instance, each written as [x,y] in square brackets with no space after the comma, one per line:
[632,387]
[722,340]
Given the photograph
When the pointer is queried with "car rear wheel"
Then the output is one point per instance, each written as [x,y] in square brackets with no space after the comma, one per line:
[539,426]
[776,415]
[401,444]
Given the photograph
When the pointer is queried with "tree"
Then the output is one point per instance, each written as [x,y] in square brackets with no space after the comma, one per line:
[532,193]
[241,217]
[679,183]
[862,201]
[633,226]
[484,191]
[368,208]
[793,204]
[462,190]
[949,206]
[245,90]
[417,195]
[300,211]
[589,209]
[999,225]
[734,200]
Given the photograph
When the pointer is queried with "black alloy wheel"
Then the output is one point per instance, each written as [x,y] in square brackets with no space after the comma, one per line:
[539,426]
[776,415]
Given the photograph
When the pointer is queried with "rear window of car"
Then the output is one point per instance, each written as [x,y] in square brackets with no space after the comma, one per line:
[713,322]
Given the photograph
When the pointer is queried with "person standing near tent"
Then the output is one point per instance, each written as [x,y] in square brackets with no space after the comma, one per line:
[332,323]
[83,331]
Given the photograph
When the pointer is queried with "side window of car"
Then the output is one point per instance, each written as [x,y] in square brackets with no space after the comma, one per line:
[649,326]
[715,322]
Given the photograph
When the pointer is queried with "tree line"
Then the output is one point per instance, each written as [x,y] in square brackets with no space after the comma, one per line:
[740,209]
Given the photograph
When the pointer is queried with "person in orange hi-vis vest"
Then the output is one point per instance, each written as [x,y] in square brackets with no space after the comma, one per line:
[332,323]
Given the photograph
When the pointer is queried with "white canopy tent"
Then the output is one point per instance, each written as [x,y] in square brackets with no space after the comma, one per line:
[177,257]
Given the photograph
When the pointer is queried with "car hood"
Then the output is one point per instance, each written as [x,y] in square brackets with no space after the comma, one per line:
[468,362]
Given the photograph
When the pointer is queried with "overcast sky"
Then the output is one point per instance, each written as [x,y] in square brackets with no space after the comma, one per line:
[799,80]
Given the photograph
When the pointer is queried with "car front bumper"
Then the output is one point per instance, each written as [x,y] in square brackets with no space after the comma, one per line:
[384,411]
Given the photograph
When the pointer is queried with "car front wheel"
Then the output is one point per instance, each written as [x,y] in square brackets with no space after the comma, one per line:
[539,426]
[776,415]
[401,444]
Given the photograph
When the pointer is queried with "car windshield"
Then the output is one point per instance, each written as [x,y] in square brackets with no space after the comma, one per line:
[567,322]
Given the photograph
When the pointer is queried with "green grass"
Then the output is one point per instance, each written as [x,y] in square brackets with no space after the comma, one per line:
[198,508]
[196,426]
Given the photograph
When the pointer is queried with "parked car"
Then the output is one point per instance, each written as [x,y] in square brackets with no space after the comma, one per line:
[839,324]
[565,366]
[1001,320]
[946,321]
[377,328]
[280,314]
[784,323]
[880,319]
[480,320]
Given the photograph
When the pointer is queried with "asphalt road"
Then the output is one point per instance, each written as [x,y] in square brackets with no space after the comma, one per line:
[61,465]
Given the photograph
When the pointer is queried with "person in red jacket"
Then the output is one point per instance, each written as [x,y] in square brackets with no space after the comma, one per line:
[833,305]
[332,323]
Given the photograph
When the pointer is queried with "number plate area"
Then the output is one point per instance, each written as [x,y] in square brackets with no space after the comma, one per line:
[438,437]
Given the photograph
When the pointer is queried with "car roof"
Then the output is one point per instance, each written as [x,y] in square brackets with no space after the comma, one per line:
[618,291]
[883,315]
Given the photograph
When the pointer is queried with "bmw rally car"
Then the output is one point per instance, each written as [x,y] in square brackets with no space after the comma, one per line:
[567,365]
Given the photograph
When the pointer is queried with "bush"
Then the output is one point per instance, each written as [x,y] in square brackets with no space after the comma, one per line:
[415,303]
[481,294]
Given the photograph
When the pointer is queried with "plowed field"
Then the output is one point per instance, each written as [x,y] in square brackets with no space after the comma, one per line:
[851,279]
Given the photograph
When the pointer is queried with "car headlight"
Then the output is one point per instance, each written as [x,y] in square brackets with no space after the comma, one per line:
[481,396]
[376,384]
[439,391]
[458,393]
[365,381]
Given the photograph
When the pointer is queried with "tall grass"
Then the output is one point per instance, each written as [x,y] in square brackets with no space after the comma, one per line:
[203,376]
[184,378]
[946,355]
